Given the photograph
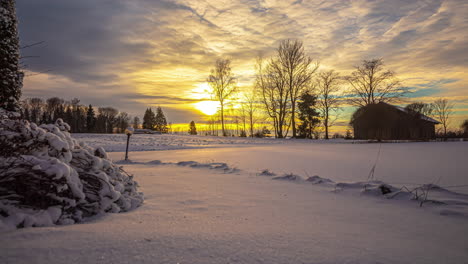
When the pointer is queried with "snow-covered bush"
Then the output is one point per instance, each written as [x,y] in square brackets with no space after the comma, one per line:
[47,177]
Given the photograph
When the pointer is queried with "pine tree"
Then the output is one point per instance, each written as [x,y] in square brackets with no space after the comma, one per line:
[11,76]
[308,115]
[149,119]
[60,112]
[75,121]
[34,116]
[193,128]
[68,118]
[90,119]
[160,121]
[145,119]
[100,126]
[45,119]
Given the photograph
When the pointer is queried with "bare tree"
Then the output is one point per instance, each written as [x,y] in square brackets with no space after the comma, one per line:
[420,108]
[242,113]
[370,84]
[223,84]
[442,111]
[106,119]
[328,101]
[271,82]
[122,121]
[248,110]
[297,69]
[37,107]
[251,108]
[53,105]
[169,128]
[136,122]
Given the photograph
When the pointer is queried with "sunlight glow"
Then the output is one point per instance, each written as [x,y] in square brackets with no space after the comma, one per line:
[207,107]
[200,91]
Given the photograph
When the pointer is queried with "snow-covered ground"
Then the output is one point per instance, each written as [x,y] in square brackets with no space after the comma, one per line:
[145,142]
[400,164]
[207,201]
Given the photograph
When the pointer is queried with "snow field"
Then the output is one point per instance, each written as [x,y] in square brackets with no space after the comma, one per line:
[146,142]
[232,204]
[203,215]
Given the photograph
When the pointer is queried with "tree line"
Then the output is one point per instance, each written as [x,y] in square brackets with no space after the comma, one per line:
[156,122]
[295,96]
[88,119]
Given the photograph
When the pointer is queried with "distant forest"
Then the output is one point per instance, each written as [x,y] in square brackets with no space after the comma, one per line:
[88,119]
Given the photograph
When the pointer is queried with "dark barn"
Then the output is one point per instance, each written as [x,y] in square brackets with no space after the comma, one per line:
[383,121]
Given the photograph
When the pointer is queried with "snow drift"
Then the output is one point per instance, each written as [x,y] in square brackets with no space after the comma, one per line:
[451,203]
[47,177]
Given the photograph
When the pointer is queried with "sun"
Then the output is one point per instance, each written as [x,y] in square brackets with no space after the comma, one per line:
[208,107]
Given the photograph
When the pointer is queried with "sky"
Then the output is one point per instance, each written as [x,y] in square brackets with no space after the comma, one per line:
[141,53]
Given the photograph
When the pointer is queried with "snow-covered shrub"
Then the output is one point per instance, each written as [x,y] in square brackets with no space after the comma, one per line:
[266,172]
[47,177]
[288,177]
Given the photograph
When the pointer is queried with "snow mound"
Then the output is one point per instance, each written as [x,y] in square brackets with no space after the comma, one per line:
[446,202]
[213,165]
[155,162]
[319,180]
[288,177]
[266,172]
[192,164]
[47,177]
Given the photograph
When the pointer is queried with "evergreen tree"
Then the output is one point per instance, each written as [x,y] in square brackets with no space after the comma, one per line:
[11,76]
[193,128]
[100,126]
[146,119]
[149,119]
[45,119]
[83,113]
[160,121]
[308,115]
[90,119]
[59,112]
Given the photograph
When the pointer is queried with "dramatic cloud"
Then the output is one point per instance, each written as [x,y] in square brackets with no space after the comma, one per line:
[134,54]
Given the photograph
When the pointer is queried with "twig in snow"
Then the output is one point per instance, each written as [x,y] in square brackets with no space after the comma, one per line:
[372,171]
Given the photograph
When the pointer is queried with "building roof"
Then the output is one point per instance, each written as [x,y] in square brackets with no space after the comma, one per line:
[421,116]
